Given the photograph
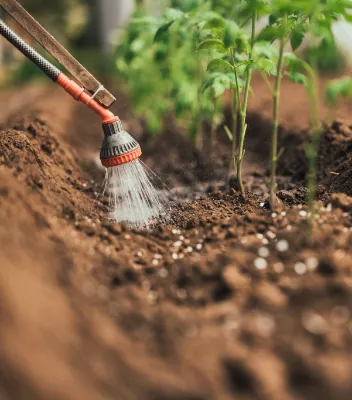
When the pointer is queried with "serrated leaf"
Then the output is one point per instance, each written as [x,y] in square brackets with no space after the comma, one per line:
[162,31]
[296,39]
[212,44]
[218,65]
[298,77]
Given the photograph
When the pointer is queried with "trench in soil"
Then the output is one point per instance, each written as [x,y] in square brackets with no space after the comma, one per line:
[226,301]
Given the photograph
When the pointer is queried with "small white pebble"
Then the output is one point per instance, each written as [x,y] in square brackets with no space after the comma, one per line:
[262,204]
[243,241]
[260,235]
[199,246]
[181,237]
[127,237]
[163,273]
[180,256]
[300,206]
[282,245]
[300,268]
[265,241]
[189,249]
[155,262]
[312,263]
[174,256]
[273,215]
[303,213]
[283,214]
[158,256]
[329,207]
[177,244]
[263,252]
[279,267]
[139,254]
[260,263]
[345,229]
[313,322]
[271,235]
[289,227]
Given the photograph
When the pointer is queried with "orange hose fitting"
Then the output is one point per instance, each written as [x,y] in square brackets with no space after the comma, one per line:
[79,94]
[123,159]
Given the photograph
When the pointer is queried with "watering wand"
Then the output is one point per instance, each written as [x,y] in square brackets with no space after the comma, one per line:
[132,197]
[118,146]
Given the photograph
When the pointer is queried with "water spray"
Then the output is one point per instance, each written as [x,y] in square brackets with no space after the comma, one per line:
[131,195]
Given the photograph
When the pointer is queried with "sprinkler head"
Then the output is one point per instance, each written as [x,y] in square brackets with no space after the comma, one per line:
[118,146]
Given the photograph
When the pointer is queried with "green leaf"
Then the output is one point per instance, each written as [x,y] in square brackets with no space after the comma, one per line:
[217,22]
[172,14]
[273,19]
[338,89]
[212,44]
[162,31]
[269,34]
[232,33]
[298,77]
[228,133]
[218,65]
[296,39]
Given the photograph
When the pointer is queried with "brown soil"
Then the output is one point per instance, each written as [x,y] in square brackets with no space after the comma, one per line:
[225,301]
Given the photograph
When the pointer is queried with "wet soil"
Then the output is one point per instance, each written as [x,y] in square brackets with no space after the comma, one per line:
[225,301]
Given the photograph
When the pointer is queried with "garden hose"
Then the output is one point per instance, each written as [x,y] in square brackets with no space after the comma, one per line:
[118,146]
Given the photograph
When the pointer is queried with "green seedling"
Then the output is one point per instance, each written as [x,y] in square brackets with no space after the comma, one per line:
[321,15]
[236,56]
[286,24]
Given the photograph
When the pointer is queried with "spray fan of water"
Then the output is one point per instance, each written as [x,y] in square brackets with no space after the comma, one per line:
[132,197]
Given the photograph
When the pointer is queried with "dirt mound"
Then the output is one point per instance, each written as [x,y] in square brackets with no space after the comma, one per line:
[334,160]
[225,301]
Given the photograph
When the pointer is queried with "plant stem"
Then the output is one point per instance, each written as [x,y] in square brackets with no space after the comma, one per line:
[236,105]
[276,106]
[313,150]
[212,122]
[244,108]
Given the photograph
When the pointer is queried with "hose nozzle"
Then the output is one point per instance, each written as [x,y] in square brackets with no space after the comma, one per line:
[118,146]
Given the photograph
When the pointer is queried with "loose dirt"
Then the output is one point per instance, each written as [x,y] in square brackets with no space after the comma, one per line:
[226,300]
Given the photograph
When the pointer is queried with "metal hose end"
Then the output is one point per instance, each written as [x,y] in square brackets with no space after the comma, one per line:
[118,146]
